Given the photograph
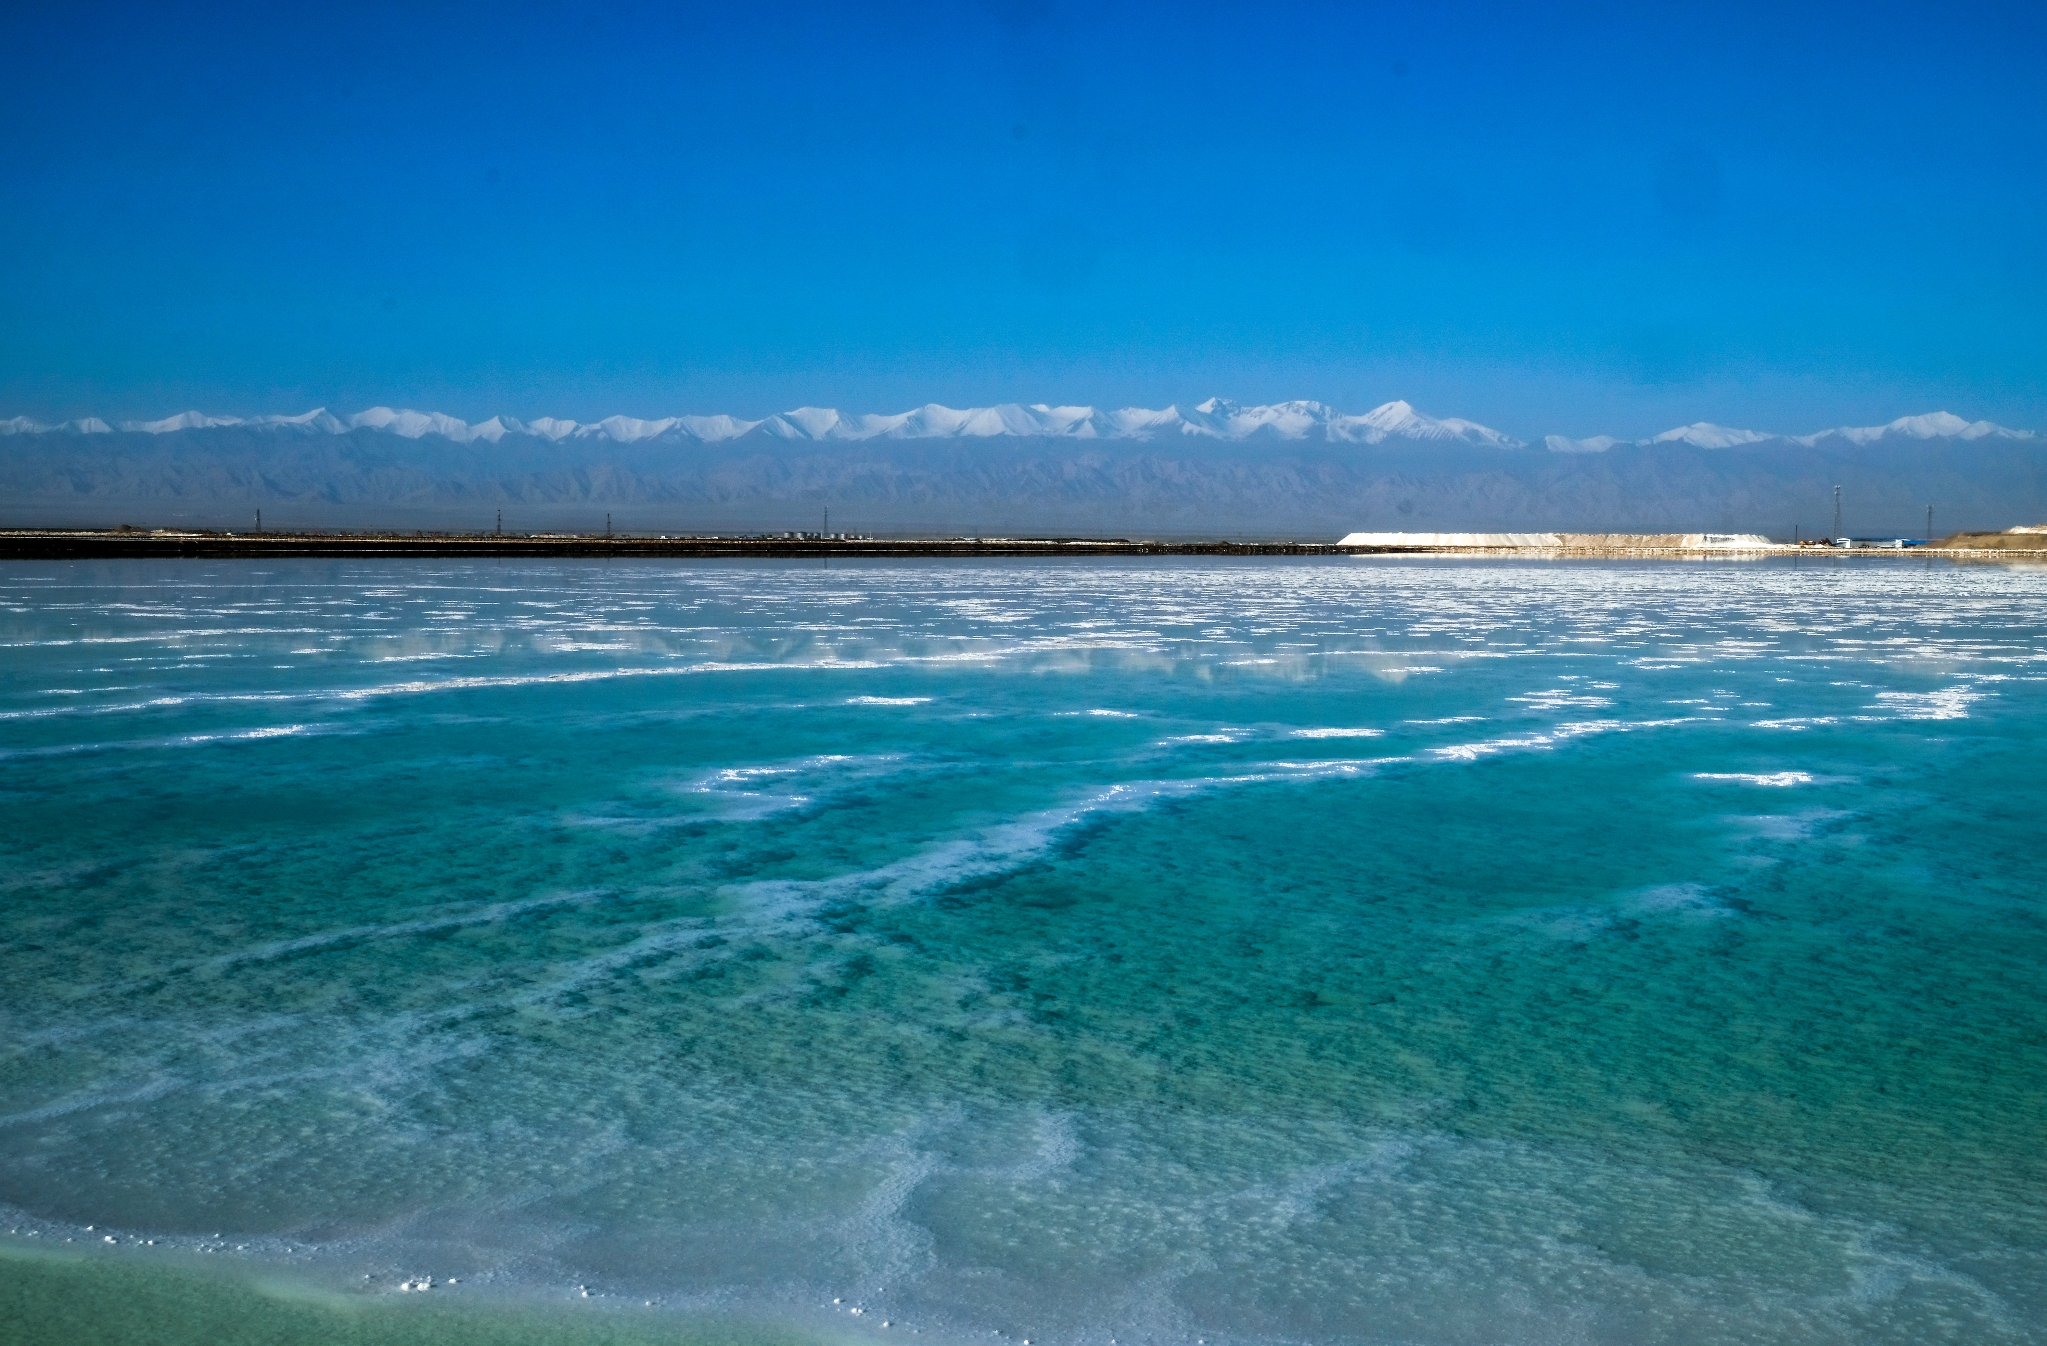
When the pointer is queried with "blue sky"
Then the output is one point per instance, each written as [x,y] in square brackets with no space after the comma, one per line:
[1596,218]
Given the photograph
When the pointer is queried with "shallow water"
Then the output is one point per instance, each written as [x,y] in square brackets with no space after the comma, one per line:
[1423,951]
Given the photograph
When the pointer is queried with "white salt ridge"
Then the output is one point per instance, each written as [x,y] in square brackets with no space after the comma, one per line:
[1776,778]
[1548,739]
[1005,846]
[175,741]
[739,790]
[426,925]
[1561,698]
[426,686]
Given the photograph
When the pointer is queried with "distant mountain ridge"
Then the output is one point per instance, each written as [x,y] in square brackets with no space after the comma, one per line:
[1706,435]
[1217,418]
[1291,469]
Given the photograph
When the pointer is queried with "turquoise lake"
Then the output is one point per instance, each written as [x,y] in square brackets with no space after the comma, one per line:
[1174,951]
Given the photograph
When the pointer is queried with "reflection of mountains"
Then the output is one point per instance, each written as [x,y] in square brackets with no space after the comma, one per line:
[1184,485]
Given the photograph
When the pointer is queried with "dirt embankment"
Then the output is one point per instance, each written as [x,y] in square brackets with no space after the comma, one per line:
[1996,541]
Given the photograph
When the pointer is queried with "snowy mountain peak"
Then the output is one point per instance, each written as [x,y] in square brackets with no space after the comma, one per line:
[1932,425]
[1398,418]
[547,427]
[1706,435]
[412,424]
[1596,444]
[184,420]
[1389,415]
[88,425]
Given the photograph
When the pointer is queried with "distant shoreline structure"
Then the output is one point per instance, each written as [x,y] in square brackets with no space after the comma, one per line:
[1563,541]
[130,541]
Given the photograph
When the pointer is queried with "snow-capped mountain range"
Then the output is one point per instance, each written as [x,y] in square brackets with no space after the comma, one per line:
[1213,419]
[1216,419]
[1706,435]
[1295,469]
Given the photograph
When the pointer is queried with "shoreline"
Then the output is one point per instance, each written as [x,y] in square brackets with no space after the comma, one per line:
[53,544]
[62,1296]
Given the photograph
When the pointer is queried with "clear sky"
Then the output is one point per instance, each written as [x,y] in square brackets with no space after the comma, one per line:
[1580,219]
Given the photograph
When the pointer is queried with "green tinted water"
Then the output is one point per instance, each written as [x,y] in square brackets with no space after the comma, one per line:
[1224,952]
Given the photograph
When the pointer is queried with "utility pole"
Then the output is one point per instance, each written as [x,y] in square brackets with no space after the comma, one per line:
[501,525]
[1837,515]
[607,526]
